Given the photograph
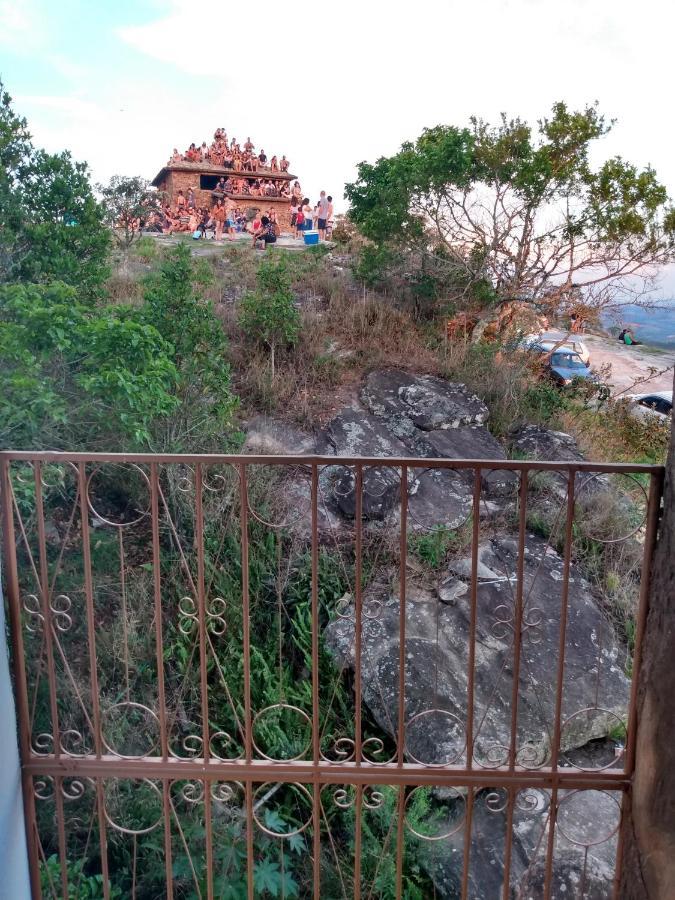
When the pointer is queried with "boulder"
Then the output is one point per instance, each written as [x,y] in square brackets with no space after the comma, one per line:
[425,401]
[353,432]
[437,498]
[537,442]
[473,442]
[437,659]
[269,436]
[585,817]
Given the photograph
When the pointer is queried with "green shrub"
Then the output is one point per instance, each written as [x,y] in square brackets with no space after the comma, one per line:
[268,316]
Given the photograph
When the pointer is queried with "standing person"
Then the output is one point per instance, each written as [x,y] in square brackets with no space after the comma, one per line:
[329,218]
[218,214]
[248,146]
[307,214]
[322,215]
[180,203]
[299,220]
[191,198]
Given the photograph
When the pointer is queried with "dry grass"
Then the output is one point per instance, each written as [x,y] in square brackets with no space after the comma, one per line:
[342,338]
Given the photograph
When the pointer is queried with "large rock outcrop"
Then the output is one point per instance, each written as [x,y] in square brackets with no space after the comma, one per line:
[437,647]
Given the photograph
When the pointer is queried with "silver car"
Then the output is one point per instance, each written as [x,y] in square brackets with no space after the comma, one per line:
[547,340]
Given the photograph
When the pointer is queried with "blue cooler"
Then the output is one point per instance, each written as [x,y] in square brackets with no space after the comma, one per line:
[311,237]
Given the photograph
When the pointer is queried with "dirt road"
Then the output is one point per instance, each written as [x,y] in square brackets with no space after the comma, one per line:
[630,364]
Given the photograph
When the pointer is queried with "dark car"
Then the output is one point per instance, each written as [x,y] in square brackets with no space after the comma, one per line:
[564,367]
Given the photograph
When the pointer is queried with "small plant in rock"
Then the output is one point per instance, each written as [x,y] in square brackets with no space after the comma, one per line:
[268,315]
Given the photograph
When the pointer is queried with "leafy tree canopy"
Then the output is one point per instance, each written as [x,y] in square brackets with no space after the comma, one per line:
[75,376]
[127,203]
[51,226]
[521,210]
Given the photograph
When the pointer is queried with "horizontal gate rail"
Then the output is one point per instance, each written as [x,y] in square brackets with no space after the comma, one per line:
[263,654]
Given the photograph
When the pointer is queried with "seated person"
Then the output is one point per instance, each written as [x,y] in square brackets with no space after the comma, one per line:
[284,164]
[176,156]
[221,185]
[274,164]
[255,162]
[285,190]
[237,162]
[204,151]
[263,158]
[266,232]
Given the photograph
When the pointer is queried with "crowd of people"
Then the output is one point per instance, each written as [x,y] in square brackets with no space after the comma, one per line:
[224,218]
[305,217]
[253,187]
[230,155]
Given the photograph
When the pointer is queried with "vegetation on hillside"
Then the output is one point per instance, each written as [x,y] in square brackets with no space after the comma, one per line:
[174,355]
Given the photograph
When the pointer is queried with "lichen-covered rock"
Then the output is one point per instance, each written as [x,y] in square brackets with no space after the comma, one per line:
[437,648]
[585,817]
[425,401]
[270,436]
[354,432]
[537,442]
[473,442]
[437,498]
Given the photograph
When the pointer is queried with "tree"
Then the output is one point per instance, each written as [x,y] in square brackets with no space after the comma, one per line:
[77,376]
[524,213]
[128,203]
[268,316]
[174,305]
[51,227]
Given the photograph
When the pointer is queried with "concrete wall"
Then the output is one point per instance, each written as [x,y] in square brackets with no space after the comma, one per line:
[14,880]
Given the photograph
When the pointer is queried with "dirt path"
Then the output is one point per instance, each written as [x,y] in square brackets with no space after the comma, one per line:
[631,363]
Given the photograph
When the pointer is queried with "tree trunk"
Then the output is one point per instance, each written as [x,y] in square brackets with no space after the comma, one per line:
[649,827]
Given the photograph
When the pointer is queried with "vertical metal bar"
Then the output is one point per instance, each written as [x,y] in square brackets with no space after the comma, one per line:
[518,620]
[249,841]
[560,677]
[159,653]
[51,672]
[316,711]
[358,601]
[471,664]
[204,688]
[358,809]
[20,681]
[93,670]
[515,688]
[246,637]
[400,755]
[651,532]
[506,884]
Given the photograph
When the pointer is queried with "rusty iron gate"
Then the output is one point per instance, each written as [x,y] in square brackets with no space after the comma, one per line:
[325,677]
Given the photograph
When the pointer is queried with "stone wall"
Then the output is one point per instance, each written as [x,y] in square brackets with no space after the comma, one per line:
[182,181]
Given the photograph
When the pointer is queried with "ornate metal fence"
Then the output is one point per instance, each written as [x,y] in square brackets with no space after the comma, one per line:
[242,676]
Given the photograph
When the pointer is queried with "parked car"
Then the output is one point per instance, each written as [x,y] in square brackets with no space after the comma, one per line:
[564,366]
[658,405]
[547,340]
